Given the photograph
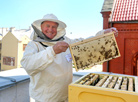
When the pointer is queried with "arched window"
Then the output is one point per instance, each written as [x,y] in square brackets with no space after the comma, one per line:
[135,64]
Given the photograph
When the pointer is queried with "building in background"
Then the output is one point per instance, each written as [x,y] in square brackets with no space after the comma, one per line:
[0,50]
[13,44]
[123,14]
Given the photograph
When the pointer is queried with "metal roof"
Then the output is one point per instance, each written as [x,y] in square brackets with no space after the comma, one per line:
[12,77]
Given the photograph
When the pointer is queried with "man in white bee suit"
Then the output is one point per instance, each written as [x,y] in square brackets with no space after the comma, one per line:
[47,60]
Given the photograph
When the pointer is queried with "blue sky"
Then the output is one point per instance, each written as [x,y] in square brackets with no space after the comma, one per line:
[82,17]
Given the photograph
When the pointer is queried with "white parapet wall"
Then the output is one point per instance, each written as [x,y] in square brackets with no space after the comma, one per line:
[14,86]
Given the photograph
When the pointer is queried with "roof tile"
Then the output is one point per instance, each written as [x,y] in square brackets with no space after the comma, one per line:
[125,10]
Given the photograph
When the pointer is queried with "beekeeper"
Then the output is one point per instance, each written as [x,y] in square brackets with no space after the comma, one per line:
[47,60]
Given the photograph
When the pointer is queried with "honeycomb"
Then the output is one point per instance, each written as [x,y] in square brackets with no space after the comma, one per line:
[92,51]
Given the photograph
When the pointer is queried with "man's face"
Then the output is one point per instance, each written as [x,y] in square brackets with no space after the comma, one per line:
[49,28]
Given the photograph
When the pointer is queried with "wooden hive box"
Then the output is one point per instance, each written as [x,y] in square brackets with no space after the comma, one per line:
[104,88]
[95,50]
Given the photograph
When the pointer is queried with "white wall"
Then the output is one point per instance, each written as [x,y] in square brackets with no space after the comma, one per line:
[17,93]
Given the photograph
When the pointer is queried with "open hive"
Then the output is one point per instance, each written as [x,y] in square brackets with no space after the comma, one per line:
[94,50]
[104,88]
[110,81]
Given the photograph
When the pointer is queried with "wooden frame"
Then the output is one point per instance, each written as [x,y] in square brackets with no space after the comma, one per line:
[120,82]
[92,51]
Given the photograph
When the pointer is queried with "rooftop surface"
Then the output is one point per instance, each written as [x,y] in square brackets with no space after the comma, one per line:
[10,77]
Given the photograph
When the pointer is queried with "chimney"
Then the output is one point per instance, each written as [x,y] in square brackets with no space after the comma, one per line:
[12,29]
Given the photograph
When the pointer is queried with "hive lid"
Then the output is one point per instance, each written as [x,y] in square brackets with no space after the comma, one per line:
[92,51]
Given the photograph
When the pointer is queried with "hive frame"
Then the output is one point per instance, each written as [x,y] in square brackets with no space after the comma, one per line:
[116,87]
[97,40]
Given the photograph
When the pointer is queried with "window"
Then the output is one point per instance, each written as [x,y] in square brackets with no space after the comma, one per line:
[9,61]
[0,46]
[24,45]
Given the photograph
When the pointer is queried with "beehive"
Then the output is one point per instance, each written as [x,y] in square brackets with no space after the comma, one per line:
[94,50]
[104,88]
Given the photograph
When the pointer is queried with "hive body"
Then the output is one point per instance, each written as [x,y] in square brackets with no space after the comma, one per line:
[104,88]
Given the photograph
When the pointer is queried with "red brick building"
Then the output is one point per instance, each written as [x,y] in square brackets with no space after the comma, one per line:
[123,14]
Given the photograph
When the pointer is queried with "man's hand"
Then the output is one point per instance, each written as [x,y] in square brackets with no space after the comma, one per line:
[113,29]
[60,47]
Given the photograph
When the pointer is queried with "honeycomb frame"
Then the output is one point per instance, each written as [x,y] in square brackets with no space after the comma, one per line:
[95,50]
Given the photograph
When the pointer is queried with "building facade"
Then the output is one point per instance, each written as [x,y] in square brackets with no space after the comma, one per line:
[123,15]
[13,45]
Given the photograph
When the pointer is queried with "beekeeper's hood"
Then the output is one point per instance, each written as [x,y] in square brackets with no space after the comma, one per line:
[37,35]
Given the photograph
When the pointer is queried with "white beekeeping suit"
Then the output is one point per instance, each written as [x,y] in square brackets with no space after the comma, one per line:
[50,73]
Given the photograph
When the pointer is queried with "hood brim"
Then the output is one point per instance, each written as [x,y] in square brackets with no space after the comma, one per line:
[61,25]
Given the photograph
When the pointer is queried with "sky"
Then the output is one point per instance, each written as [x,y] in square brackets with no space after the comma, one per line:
[82,17]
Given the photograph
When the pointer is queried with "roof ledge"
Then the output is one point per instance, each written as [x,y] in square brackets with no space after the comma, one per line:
[12,77]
